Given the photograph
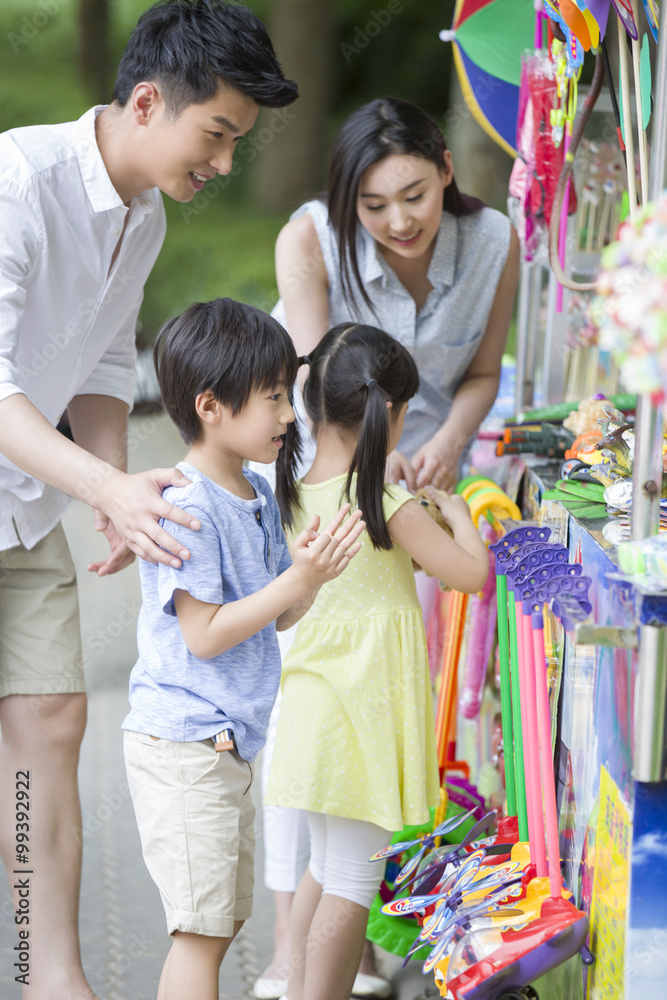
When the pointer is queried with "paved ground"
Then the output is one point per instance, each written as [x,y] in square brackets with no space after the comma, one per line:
[123,934]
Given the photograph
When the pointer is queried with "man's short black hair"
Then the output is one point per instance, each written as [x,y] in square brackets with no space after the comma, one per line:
[228,347]
[190,46]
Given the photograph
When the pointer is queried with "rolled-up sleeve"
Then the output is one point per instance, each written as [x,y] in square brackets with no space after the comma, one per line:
[115,373]
[20,238]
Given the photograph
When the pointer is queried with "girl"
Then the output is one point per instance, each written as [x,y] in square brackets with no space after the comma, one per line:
[355,744]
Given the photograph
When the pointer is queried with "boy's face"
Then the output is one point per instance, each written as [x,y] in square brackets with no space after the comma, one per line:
[255,433]
[179,154]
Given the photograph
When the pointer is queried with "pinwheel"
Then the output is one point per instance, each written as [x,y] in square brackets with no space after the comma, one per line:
[427,841]
[488,37]
[441,857]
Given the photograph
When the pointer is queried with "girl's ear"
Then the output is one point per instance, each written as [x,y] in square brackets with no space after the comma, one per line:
[389,406]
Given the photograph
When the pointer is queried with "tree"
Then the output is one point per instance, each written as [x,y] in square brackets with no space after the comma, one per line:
[94,30]
[291,164]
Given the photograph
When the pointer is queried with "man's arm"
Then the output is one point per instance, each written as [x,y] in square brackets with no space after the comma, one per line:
[99,425]
[133,503]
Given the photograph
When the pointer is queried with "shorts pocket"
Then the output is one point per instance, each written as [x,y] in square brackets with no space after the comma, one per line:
[139,743]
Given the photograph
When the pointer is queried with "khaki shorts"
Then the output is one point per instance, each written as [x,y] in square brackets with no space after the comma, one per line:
[196,822]
[40,637]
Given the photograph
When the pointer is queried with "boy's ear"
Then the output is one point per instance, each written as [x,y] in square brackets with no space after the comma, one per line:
[207,407]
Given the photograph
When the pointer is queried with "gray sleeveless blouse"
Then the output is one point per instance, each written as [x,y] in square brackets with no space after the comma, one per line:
[443,337]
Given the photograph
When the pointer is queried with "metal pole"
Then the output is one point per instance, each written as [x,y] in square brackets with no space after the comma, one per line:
[523,314]
[649,749]
[647,476]
[649,743]
[647,469]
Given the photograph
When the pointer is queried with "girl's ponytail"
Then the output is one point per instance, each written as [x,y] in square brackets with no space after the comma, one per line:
[287,462]
[355,371]
[369,462]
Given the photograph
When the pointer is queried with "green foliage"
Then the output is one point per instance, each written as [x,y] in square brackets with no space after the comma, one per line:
[226,249]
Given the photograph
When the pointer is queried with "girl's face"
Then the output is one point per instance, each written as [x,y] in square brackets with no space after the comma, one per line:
[396,421]
[399,202]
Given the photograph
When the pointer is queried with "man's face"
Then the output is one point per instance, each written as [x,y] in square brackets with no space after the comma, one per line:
[181,153]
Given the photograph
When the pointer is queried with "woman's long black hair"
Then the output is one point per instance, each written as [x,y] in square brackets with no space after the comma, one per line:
[354,371]
[382,128]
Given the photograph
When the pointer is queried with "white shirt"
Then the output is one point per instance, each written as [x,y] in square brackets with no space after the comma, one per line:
[67,322]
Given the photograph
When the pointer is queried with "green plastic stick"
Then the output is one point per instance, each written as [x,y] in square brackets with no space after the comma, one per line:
[505,693]
[559,411]
[518,733]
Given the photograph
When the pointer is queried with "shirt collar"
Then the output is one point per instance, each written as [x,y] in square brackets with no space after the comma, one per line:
[101,192]
[443,262]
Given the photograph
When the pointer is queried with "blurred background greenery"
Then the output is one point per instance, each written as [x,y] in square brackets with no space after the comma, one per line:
[59,57]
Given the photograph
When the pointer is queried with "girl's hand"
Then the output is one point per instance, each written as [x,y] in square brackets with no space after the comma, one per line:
[436,464]
[399,467]
[453,507]
[319,557]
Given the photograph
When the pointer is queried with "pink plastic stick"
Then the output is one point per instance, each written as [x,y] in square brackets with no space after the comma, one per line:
[546,760]
[532,755]
[532,805]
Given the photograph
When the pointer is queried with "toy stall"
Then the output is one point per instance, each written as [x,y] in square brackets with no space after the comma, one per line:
[544,871]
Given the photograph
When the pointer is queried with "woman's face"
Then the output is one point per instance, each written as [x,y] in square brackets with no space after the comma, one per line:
[399,202]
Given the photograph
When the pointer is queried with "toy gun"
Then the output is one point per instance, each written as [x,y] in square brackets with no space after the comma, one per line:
[539,439]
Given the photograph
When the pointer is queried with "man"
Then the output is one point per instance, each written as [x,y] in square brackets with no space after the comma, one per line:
[81,224]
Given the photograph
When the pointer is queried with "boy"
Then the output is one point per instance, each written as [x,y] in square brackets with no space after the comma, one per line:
[208,670]
[81,223]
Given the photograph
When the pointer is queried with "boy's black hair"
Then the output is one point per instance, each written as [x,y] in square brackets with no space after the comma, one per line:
[190,46]
[232,349]
[354,371]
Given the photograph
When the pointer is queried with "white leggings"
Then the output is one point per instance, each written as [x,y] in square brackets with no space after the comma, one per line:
[339,853]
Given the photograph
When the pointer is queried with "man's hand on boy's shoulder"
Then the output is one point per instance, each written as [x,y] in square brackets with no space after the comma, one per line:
[133,506]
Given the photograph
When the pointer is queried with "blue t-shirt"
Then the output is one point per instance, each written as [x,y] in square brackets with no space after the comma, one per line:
[239,549]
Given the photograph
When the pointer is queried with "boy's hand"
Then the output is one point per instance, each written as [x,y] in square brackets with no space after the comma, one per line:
[319,557]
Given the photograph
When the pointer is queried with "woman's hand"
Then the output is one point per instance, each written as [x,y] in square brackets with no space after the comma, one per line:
[399,467]
[436,464]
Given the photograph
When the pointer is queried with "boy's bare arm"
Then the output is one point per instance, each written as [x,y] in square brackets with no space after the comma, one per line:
[134,503]
[211,629]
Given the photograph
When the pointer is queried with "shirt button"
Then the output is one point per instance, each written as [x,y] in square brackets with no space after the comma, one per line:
[258,516]
[117,232]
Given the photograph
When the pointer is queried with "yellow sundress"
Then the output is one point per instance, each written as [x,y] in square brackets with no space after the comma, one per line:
[355,733]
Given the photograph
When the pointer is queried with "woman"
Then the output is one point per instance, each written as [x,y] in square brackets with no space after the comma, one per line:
[395,245]
[398,246]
